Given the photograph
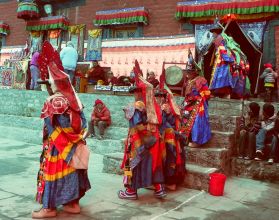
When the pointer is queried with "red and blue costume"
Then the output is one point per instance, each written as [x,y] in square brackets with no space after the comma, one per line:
[143,158]
[59,183]
[195,121]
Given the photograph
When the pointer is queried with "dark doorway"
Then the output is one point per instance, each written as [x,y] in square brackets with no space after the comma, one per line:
[249,49]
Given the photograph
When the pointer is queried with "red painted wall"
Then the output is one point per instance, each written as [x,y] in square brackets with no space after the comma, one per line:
[18,34]
[161,19]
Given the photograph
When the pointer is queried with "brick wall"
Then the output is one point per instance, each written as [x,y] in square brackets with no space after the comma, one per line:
[18,34]
[277,46]
[162,21]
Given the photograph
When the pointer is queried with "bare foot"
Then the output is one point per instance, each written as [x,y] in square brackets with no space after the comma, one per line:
[44,213]
[72,208]
[194,145]
[171,187]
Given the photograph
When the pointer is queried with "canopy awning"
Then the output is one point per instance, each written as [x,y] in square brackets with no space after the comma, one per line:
[121,16]
[27,10]
[209,8]
[48,23]
[4,28]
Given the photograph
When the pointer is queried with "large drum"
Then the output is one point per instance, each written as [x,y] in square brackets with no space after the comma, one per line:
[174,76]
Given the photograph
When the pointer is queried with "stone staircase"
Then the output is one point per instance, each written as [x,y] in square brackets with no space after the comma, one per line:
[19,119]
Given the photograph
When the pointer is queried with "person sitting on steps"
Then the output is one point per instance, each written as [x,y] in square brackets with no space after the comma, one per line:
[249,128]
[100,117]
[265,133]
[273,148]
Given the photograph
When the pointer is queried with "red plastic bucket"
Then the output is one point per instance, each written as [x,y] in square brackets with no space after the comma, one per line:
[217,184]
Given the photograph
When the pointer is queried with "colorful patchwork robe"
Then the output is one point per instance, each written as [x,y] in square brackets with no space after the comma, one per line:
[195,121]
[221,78]
[58,183]
[142,154]
[173,144]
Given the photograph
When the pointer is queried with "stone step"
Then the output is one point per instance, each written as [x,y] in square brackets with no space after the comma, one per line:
[105,146]
[118,119]
[21,134]
[223,123]
[210,157]
[35,123]
[197,177]
[258,170]
[35,137]
[221,139]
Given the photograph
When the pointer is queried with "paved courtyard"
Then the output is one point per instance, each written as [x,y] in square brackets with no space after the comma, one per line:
[243,199]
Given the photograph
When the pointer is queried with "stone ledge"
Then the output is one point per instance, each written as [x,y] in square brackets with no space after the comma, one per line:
[210,157]
[258,170]
[221,139]
[197,177]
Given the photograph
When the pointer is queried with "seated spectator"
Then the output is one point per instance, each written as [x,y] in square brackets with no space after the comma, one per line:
[152,80]
[249,128]
[100,117]
[124,81]
[273,148]
[96,73]
[111,79]
[132,77]
[265,134]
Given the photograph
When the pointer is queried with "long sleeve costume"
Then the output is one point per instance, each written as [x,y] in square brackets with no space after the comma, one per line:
[195,119]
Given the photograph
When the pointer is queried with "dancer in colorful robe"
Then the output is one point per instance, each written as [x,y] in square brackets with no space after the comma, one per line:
[173,142]
[221,82]
[59,183]
[195,117]
[143,158]
[241,81]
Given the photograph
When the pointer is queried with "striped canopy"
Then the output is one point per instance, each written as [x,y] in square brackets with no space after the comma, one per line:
[121,16]
[27,10]
[48,23]
[210,8]
[4,28]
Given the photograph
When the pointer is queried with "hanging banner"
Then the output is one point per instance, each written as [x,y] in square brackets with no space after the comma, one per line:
[254,31]
[94,45]
[20,73]
[203,37]
[76,36]
[6,77]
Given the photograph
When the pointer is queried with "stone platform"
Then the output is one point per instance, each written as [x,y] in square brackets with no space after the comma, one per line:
[258,170]
[19,120]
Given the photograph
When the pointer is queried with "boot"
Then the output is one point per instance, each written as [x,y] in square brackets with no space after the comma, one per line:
[127,194]
[159,192]
[44,213]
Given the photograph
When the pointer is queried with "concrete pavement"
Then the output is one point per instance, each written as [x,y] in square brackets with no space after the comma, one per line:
[19,161]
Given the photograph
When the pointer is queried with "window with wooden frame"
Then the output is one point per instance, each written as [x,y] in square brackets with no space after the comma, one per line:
[123,32]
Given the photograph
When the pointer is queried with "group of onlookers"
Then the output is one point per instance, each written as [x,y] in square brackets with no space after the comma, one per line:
[68,56]
[259,134]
